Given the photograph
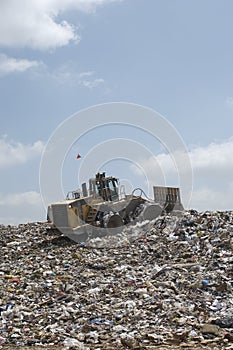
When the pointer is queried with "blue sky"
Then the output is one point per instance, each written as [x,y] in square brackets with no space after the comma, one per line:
[60,56]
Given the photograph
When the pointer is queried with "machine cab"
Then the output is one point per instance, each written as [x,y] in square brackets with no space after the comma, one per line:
[105,187]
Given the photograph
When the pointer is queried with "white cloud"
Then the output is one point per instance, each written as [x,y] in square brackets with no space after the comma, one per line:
[23,207]
[17,199]
[208,198]
[86,74]
[214,157]
[91,84]
[14,153]
[229,101]
[80,5]
[33,24]
[66,74]
[212,174]
[11,65]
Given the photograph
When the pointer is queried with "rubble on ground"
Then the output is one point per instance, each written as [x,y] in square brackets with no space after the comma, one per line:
[163,283]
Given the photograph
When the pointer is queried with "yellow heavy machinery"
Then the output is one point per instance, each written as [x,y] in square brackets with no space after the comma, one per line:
[104,208]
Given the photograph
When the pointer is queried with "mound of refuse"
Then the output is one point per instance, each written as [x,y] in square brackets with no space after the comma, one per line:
[161,283]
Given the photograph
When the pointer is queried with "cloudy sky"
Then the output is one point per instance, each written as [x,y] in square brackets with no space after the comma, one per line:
[58,57]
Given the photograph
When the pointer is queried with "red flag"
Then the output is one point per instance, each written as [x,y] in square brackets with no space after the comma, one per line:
[78,156]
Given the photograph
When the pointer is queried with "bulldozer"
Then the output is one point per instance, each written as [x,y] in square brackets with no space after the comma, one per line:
[104,208]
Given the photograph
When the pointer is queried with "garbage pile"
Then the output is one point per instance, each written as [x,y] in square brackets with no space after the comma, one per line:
[167,282]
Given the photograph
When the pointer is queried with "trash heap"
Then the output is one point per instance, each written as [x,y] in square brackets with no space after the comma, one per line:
[163,283]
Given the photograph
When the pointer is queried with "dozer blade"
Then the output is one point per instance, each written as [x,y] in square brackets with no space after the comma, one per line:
[168,198]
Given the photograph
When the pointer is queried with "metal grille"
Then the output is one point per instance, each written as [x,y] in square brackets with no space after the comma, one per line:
[168,198]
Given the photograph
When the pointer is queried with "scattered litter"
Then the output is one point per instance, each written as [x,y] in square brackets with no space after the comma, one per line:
[163,283]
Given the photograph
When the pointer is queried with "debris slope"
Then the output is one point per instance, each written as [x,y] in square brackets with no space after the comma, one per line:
[163,283]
